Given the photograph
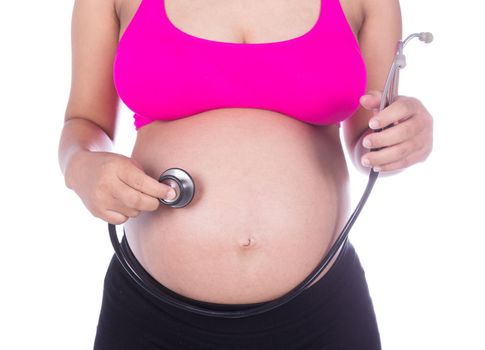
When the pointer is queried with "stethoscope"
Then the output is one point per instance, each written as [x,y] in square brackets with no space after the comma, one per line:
[184,187]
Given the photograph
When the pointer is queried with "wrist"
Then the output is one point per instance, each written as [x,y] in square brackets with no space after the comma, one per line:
[73,167]
[78,137]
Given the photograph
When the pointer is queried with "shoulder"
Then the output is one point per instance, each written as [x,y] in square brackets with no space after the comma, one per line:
[381,10]
[380,30]
[381,27]
[378,4]
[117,6]
[368,13]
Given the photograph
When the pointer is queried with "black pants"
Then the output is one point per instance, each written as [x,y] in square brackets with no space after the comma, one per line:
[335,313]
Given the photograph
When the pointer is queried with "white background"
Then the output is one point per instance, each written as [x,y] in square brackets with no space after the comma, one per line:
[420,237]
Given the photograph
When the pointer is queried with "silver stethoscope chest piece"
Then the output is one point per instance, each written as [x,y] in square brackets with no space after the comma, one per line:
[183,185]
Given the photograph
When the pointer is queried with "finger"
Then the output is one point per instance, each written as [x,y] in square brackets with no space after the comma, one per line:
[401,109]
[402,163]
[134,199]
[137,179]
[389,154]
[119,207]
[394,135]
[114,217]
[371,100]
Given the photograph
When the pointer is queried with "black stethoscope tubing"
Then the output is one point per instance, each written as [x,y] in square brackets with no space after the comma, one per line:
[149,284]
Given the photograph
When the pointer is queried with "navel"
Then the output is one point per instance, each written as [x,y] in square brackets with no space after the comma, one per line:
[246,242]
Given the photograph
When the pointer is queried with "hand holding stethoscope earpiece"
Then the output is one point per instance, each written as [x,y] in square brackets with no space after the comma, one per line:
[402,126]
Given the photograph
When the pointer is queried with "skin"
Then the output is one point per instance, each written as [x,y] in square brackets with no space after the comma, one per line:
[248,244]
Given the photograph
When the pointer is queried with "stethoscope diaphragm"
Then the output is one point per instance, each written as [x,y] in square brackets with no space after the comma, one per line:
[183,185]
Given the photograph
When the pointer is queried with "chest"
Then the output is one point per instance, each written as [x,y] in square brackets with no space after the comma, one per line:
[253,21]
[301,59]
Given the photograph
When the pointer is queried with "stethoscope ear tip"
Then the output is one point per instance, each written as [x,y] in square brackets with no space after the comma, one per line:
[427,37]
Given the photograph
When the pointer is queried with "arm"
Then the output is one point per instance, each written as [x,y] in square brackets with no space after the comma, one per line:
[410,139]
[90,116]
[378,36]
[113,187]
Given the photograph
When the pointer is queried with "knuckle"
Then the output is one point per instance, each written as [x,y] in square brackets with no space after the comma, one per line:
[413,102]
[134,200]
[392,167]
[385,167]
[117,219]
[414,130]
[134,213]
[426,153]
[402,152]
[417,103]
[109,166]
[153,204]
[422,145]
[419,129]
[409,106]
[428,122]
[407,132]
[405,162]
[97,213]
[135,179]
[138,181]
[100,191]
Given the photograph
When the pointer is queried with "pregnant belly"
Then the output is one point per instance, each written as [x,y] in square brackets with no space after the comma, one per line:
[271,196]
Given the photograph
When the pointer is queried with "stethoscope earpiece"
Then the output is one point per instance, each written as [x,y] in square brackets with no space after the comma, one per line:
[183,185]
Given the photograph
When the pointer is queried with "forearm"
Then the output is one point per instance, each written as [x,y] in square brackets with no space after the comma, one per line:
[79,135]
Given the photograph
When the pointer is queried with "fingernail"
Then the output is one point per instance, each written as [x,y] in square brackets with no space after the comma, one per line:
[377,169]
[170,194]
[365,162]
[373,123]
[367,143]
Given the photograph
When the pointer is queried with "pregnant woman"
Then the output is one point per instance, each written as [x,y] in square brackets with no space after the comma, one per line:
[248,97]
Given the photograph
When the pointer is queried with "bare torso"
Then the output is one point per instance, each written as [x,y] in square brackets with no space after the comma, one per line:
[272,191]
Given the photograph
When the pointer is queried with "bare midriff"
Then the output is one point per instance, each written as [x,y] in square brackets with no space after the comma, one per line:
[271,197]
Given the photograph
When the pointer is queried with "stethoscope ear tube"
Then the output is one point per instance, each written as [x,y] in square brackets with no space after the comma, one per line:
[186,187]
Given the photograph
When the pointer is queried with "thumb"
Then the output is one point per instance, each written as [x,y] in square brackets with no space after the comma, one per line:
[371,100]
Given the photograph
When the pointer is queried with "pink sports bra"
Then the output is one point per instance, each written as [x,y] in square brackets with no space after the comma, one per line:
[163,73]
